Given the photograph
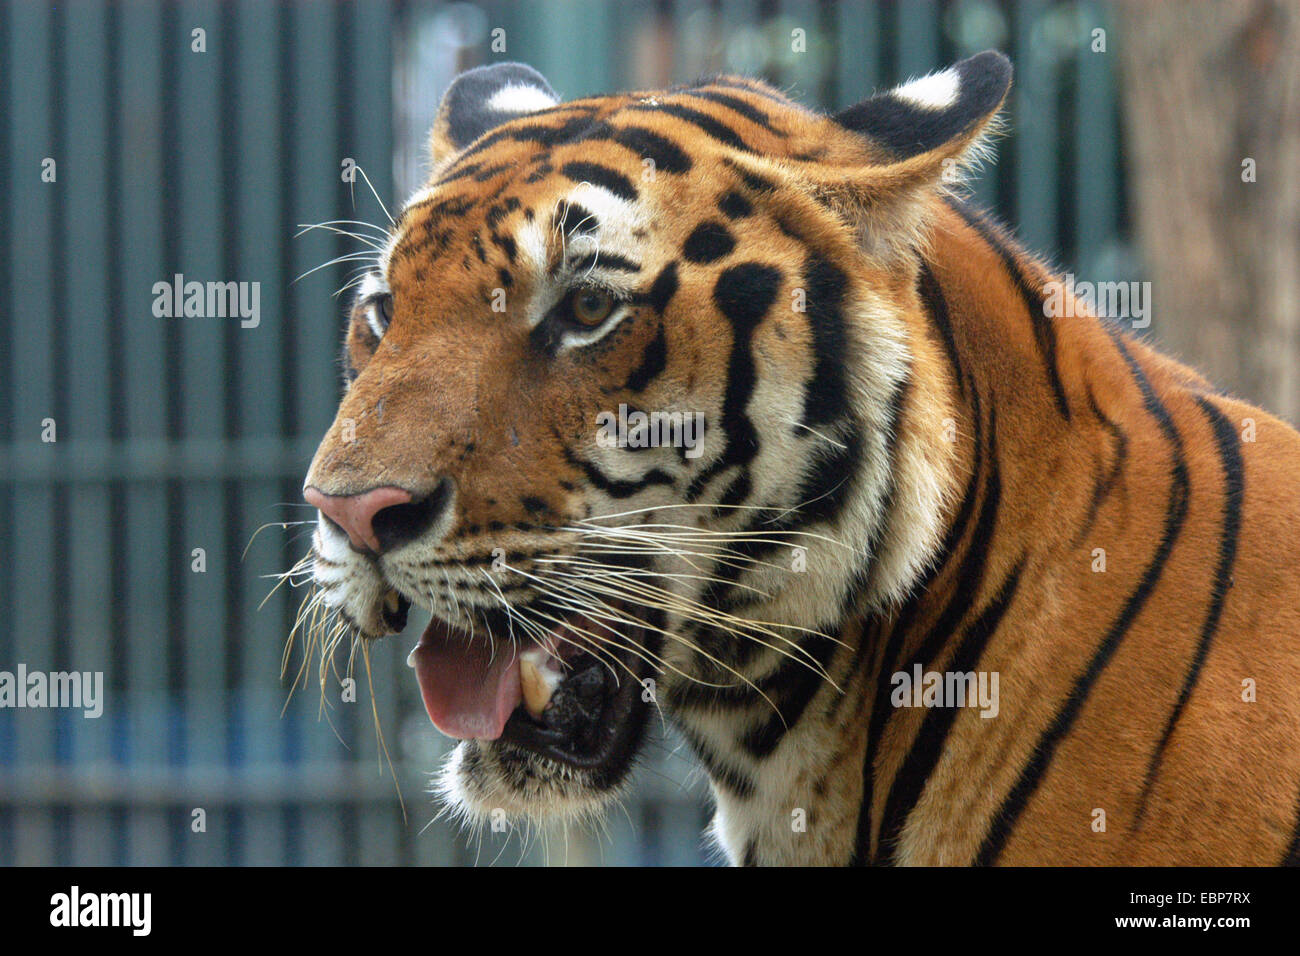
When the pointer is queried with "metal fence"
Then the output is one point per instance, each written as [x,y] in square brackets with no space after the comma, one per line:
[140,454]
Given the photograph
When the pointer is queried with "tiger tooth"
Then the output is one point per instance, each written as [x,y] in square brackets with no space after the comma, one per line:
[537,681]
[536,691]
[392,601]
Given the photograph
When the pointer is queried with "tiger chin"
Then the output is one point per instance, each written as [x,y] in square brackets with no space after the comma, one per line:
[908,464]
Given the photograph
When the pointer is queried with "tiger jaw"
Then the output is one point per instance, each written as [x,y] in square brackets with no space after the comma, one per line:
[565,707]
[569,694]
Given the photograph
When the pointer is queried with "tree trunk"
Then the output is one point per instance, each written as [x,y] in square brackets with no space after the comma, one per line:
[1209,85]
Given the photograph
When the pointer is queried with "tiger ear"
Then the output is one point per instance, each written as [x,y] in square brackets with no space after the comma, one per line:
[919,138]
[942,113]
[482,99]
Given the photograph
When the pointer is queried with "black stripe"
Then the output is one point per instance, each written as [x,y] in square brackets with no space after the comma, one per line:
[467,170]
[438,208]
[755,181]
[497,212]
[1007,815]
[661,292]
[735,104]
[690,695]
[861,577]
[930,740]
[506,244]
[743,293]
[826,396]
[1106,483]
[708,242]
[483,175]
[937,307]
[604,260]
[547,136]
[543,170]
[1225,438]
[614,487]
[738,783]
[970,579]
[792,685]
[666,154]
[712,127]
[653,361]
[1292,855]
[757,89]
[574,219]
[1044,330]
[823,493]
[734,206]
[581,171]
[880,709]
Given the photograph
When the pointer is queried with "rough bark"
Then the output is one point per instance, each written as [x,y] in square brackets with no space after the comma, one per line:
[1207,85]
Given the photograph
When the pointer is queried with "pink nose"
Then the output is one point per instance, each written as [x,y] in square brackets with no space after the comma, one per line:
[355,514]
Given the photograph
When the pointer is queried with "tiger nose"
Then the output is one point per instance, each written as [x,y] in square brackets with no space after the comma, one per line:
[387,517]
[355,514]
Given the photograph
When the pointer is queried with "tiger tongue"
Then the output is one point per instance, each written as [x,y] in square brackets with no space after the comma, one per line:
[467,690]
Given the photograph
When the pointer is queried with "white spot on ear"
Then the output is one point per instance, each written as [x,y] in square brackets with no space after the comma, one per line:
[938,91]
[518,98]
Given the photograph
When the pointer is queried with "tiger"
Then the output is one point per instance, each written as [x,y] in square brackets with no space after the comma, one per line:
[700,406]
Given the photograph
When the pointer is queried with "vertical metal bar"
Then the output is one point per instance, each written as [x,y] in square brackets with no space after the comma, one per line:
[140,169]
[34,205]
[807,68]
[694,26]
[738,36]
[917,38]
[260,367]
[857,36]
[317,193]
[595,23]
[635,34]
[1095,187]
[85,39]
[549,32]
[8,492]
[1036,134]
[203,578]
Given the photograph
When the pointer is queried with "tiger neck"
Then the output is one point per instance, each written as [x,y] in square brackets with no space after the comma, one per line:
[784,751]
[794,775]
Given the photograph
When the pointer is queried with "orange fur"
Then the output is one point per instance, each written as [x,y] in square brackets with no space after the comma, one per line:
[1060,450]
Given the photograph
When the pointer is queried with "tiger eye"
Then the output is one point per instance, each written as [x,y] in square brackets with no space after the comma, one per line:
[592,306]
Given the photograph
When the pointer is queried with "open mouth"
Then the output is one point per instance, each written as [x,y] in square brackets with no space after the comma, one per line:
[575,695]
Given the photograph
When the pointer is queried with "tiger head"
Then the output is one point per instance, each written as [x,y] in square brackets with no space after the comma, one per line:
[633,407]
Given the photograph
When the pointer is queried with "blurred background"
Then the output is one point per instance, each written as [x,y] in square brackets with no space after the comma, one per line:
[136,148]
